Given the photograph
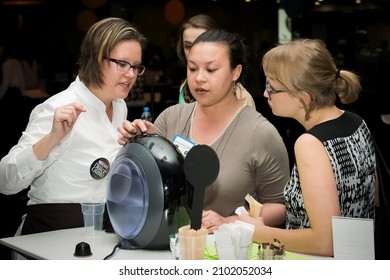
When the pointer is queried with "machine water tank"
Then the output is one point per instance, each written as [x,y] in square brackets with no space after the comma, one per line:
[147,193]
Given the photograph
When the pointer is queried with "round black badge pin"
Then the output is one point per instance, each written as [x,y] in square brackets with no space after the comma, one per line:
[99,168]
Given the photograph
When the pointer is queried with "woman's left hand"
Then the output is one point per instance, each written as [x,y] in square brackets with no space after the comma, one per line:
[258,222]
[212,220]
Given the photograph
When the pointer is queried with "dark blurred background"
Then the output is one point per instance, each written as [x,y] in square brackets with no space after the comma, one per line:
[357,33]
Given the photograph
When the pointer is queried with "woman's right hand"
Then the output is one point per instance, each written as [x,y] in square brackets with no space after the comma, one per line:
[131,129]
[64,119]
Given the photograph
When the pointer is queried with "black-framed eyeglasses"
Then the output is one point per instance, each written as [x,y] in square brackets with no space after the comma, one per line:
[270,90]
[124,66]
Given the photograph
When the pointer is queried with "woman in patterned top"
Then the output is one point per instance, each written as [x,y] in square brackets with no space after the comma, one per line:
[335,168]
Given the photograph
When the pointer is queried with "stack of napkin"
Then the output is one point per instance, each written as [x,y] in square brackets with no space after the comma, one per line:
[233,240]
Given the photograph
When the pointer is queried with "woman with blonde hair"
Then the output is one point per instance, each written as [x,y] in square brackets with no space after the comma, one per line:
[335,164]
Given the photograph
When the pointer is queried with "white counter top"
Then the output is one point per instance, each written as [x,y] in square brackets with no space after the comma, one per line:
[61,244]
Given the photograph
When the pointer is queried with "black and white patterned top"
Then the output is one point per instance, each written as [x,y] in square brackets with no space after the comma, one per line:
[348,142]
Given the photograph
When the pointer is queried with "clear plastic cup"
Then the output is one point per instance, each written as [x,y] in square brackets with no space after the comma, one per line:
[93,216]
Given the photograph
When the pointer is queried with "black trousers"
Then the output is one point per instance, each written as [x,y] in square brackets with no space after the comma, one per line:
[52,216]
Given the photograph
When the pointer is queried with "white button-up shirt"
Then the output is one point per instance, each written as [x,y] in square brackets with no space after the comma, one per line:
[64,177]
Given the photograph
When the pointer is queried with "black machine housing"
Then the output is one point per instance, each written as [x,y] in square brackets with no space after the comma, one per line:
[147,193]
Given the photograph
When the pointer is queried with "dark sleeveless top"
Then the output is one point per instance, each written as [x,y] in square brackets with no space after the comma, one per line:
[348,142]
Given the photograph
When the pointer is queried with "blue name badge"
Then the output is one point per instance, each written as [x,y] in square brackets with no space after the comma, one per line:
[183,144]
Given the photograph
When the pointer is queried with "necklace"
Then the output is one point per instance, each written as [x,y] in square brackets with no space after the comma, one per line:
[223,131]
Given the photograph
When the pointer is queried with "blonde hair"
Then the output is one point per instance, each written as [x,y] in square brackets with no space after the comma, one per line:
[244,96]
[307,65]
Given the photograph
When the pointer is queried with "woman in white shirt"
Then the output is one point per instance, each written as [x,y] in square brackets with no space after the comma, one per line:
[71,139]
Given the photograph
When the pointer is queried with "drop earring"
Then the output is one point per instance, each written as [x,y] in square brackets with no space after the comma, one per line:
[234,88]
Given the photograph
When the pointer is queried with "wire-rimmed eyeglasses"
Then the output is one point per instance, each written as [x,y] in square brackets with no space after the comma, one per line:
[124,66]
[270,90]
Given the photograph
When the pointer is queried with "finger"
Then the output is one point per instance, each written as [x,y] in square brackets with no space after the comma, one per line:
[212,229]
[64,115]
[69,120]
[130,127]
[122,140]
[71,113]
[125,133]
[79,108]
[142,125]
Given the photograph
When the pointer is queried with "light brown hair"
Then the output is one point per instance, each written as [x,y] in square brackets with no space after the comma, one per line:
[98,43]
[307,65]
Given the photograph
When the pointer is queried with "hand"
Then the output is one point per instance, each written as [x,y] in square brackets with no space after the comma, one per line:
[64,119]
[257,222]
[212,220]
[131,129]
